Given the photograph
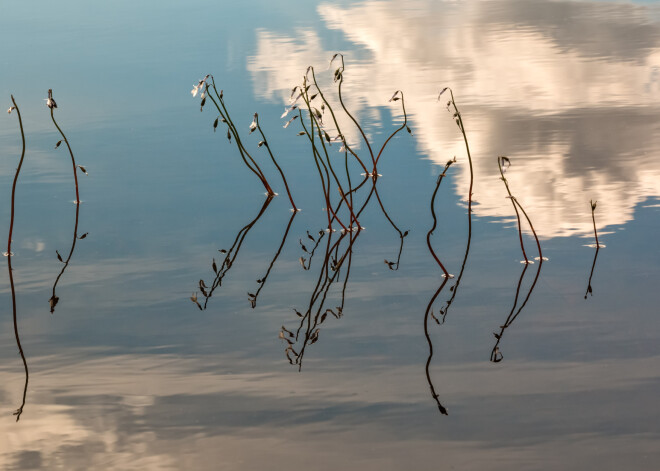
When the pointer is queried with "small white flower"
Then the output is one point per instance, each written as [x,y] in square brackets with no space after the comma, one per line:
[50,102]
[199,86]
[11,108]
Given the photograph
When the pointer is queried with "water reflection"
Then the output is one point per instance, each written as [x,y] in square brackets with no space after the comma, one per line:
[446,276]
[262,281]
[575,107]
[337,253]
[496,353]
[9,254]
[54,299]
[598,246]
[229,259]
[496,356]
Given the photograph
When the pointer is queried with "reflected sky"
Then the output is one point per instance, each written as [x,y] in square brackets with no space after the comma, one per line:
[128,373]
[570,100]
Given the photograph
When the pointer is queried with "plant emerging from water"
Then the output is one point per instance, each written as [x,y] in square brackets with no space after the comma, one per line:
[51,104]
[9,254]
[206,88]
[598,247]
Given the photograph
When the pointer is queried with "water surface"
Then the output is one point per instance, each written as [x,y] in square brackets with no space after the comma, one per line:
[128,373]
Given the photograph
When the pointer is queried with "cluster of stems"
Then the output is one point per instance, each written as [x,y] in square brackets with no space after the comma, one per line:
[503,164]
[217,97]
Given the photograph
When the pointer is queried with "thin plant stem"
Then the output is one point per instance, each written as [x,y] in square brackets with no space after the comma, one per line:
[334,119]
[73,160]
[405,124]
[515,208]
[279,169]
[593,218]
[427,314]
[262,281]
[54,299]
[254,167]
[538,244]
[435,219]
[19,411]
[313,120]
[591,274]
[340,71]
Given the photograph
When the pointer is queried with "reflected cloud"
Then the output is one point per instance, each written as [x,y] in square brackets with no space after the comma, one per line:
[569,97]
[161,420]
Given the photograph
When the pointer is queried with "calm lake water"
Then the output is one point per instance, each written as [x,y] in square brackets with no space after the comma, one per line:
[128,373]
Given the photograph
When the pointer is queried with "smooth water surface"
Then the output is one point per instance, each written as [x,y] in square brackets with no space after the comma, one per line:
[128,373]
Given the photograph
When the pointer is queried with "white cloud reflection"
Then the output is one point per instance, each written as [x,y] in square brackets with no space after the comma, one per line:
[156,412]
[567,90]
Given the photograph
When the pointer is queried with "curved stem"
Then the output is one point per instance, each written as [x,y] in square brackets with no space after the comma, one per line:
[19,411]
[515,208]
[427,314]
[286,185]
[73,160]
[435,220]
[405,123]
[341,81]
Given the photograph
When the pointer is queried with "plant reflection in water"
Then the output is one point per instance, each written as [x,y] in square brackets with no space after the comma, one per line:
[598,247]
[446,276]
[54,299]
[338,253]
[496,354]
[9,254]
[229,259]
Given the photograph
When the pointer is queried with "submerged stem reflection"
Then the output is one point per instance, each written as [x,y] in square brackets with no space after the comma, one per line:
[54,298]
[228,262]
[18,411]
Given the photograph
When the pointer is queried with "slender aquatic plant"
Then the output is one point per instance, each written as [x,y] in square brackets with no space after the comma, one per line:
[208,90]
[9,254]
[252,297]
[496,355]
[445,273]
[229,258]
[429,313]
[255,125]
[458,118]
[593,219]
[314,102]
[598,246]
[50,102]
[317,312]
[504,163]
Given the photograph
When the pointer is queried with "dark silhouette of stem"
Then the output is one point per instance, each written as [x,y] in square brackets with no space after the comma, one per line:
[435,219]
[230,256]
[19,411]
[593,218]
[66,141]
[279,169]
[252,165]
[515,208]
[340,71]
[598,246]
[428,314]
[593,265]
[54,299]
[405,123]
[270,267]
